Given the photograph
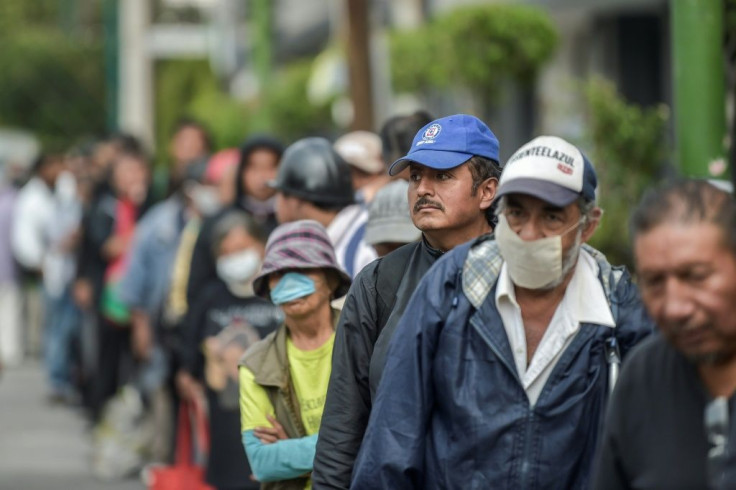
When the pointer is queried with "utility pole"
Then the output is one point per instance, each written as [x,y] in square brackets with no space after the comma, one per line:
[135,97]
[700,118]
[359,67]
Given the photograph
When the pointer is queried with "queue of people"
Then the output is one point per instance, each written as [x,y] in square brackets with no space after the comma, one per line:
[389,311]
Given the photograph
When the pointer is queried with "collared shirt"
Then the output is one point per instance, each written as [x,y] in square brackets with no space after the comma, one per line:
[584,302]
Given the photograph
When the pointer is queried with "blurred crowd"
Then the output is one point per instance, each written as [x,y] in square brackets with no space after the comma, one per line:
[120,292]
[391,310]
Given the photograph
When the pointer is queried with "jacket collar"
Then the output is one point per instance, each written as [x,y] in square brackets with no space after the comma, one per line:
[483,266]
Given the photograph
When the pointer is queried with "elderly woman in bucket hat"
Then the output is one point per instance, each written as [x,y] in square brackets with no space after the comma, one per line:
[284,377]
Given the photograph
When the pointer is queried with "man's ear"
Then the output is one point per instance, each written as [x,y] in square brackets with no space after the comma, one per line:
[592,225]
[487,192]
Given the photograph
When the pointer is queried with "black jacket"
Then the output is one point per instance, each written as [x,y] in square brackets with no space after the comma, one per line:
[372,309]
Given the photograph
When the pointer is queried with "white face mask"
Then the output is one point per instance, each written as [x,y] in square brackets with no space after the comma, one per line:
[205,199]
[536,264]
[239,267]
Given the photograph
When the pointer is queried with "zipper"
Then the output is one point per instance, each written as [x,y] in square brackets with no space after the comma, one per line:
[526,458]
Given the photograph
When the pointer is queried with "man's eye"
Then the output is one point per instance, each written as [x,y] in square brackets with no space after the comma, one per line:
[697,275]
[651,282]
[414,177]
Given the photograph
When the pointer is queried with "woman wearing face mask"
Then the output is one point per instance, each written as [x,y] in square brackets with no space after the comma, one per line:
[284,377]
[226,319]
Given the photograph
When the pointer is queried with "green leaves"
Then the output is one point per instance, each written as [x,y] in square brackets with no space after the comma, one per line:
[629,149]
[478,47]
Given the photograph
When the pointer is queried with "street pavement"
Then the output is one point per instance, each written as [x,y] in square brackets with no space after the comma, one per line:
[43,446]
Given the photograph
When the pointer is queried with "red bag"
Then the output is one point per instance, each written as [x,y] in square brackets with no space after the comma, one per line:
[184,474]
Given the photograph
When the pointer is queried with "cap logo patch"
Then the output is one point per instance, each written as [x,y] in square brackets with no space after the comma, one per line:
[430,134]
[565,169]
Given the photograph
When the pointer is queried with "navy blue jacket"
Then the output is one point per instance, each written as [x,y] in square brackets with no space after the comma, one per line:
[451,412]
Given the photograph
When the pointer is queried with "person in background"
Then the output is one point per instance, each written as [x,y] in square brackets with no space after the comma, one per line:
[226,319]
[389,223]
[208,195]
[34,214]
[314,182]
[190,142]
[671,422]
[453,182]
[110,228]
[362,151]
[96,194]
[62,318]
[283,378]
[500,368]
[144,289]
[397,136]
[11,333]
[259,162]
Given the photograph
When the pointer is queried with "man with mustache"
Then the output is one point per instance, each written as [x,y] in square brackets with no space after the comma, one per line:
[454,171]
[500,368]
[671,418]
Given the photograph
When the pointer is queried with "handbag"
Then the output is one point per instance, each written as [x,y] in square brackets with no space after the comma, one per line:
[184,474]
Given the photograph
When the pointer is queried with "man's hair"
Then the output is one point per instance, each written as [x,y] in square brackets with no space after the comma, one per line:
[397,134]
[481,169]
[686,201]
[230,221]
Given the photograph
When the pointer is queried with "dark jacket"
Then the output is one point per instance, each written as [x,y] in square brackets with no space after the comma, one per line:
[452,413]
[98,225]
[268,362]
[372,310]
[203,268]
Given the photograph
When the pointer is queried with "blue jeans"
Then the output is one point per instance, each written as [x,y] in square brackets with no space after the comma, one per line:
[62,322]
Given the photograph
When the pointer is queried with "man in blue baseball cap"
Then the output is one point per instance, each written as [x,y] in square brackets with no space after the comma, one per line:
[453,175]
[500,369]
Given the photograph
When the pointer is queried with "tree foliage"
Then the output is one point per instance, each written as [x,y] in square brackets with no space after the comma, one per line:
[629,147]
[477,46]
[52,80]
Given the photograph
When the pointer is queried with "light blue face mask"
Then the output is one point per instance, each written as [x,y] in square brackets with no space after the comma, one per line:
[292,286]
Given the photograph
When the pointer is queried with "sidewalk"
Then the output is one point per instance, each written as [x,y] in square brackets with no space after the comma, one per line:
[43,447]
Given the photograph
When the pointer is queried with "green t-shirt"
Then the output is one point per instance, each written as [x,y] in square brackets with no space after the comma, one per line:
[310,373]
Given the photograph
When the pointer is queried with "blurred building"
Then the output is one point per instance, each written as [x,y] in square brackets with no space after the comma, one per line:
[626,41]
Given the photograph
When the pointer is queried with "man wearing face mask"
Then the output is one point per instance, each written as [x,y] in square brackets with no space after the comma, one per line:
[507,350]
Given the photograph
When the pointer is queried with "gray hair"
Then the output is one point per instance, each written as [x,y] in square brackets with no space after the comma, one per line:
[231,220]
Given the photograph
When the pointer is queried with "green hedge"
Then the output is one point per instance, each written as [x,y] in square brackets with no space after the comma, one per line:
[629,149]
[478,47]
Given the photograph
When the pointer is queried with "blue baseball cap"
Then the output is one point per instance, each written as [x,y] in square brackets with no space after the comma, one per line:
[448,142]
[551,169]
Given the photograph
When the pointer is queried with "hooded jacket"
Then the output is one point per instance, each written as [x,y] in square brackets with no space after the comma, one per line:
[451,412]
[203,269]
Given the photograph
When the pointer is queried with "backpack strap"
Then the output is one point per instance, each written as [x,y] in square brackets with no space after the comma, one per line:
[389,273]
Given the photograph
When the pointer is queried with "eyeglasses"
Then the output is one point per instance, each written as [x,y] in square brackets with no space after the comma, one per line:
[716,429]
